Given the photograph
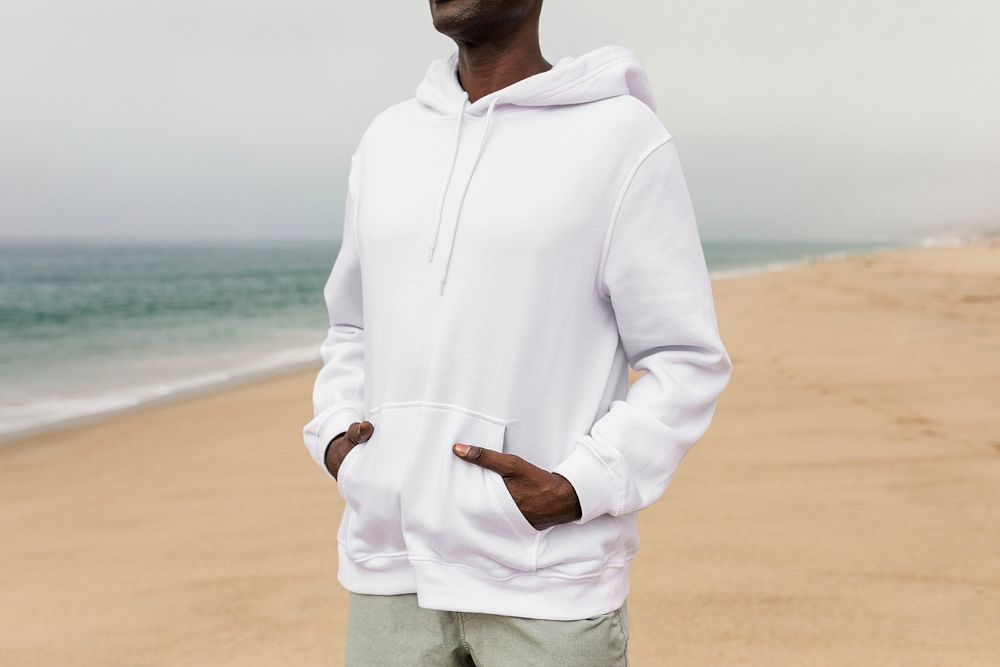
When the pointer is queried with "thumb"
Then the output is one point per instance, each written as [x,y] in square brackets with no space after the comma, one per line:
[486,458]
[361,431]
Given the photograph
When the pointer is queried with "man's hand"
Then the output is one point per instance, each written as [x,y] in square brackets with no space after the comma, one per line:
[337,449]
[544,498]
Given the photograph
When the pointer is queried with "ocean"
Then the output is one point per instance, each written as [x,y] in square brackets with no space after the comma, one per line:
[88,328]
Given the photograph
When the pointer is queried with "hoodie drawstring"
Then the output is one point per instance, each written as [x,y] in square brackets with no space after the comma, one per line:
[447,179]
[447,183]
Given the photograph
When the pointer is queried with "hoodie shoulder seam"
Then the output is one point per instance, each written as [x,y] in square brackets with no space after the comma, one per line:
[614,213]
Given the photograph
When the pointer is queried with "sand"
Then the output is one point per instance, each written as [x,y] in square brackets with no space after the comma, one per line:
[844,507]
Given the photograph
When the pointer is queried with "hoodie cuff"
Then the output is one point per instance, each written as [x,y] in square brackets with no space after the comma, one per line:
[595,485]
[327,430]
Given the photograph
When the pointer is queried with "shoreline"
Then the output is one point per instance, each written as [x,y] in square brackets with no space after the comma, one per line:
[250,373]
[196,391]
[956,241]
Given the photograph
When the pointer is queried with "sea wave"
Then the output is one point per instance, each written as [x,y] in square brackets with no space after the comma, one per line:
[32,416]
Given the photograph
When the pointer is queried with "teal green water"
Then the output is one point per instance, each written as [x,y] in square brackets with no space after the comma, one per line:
[90,328]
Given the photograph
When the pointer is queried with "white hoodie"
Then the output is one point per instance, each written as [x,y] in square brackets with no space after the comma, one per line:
[503,263]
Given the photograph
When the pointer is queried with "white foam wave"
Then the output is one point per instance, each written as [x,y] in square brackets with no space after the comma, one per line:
[39,414]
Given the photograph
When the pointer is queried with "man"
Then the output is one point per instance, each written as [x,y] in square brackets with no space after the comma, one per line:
[516,235]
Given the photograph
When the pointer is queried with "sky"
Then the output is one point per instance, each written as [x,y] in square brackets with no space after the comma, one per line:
[218,119]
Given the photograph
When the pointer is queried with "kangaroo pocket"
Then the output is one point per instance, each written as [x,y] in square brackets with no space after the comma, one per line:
[459,512]
[370,479]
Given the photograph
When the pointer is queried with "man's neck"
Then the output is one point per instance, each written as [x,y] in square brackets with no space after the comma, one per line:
[485,67]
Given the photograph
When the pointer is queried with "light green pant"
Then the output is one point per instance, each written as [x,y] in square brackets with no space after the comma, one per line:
[392,631]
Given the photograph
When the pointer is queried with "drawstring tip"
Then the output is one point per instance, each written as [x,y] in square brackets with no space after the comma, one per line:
[441,288]
[430,253]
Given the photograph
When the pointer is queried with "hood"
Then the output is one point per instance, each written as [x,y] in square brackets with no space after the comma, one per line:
[605,72]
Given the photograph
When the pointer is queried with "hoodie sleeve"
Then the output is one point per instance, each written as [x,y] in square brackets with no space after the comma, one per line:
[655,276]
[339,390]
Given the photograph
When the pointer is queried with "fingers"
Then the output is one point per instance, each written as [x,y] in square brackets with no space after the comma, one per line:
[505,464]
[360,432]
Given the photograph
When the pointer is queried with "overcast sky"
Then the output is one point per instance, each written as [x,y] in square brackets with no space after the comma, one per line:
[802,119]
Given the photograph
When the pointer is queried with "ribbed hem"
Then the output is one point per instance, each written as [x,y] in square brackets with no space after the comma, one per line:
[530,595]
[376,575]
[452,587]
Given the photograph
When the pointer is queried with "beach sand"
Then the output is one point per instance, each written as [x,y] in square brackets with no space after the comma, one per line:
[844,507]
